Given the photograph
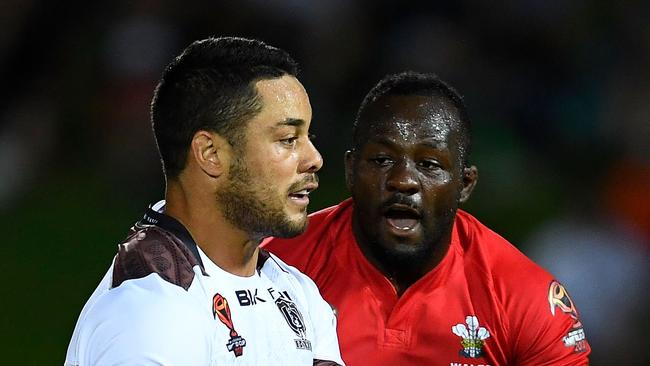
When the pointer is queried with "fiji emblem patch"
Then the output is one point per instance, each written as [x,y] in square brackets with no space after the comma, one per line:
[295,321]
[220,309]
[472,337]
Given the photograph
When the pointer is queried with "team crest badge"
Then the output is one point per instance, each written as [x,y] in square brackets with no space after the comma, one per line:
[294,318]
[472,337]
[220,309]
[558,298]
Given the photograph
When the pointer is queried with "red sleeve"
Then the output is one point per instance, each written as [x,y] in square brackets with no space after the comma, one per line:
[540,321]
[543,321]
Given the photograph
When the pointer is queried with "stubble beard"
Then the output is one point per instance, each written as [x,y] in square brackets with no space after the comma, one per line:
[255,208]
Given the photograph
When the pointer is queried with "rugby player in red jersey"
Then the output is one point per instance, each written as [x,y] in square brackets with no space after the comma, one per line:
[415,280]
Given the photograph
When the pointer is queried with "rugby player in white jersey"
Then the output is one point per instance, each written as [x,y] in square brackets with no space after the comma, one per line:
[189,285]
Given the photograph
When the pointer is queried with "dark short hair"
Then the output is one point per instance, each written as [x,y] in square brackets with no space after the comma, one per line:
[211,86]
[415,83]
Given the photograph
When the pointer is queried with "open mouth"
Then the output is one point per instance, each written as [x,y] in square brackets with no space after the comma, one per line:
[303,193]
[300,194]
[402,217]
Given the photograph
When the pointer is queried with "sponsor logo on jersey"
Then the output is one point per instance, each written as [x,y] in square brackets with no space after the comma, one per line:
[248,297]
[220,309]
[294,319]
[558,298]
[472,337]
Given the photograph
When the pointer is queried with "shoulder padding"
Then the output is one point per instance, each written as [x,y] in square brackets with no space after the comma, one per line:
[152,250]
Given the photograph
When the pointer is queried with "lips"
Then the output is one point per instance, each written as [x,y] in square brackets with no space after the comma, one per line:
[303,192]
[402,217]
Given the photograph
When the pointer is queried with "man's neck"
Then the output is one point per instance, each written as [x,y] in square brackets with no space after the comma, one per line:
[401,275]
[400,270]
[227,246]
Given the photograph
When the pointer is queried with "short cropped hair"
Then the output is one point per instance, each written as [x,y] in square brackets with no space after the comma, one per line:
[415,83]
[210,86]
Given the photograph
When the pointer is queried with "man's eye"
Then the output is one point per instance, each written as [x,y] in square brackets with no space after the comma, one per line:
[291,141]
[429,164]
[381,160]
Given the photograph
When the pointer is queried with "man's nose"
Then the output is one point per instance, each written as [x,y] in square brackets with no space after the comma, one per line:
[312,160]
[402,178]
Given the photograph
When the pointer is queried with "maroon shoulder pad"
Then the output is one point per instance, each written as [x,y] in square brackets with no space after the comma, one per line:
[152,250]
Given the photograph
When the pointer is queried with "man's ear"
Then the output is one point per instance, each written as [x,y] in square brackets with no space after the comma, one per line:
[349,168]
[209,150]
[470,178]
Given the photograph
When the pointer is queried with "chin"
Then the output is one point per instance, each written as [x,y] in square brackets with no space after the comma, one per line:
[403,248]
[407,256]
[407,250]
[402,241]
[294,225]
[297,218]
[301,225]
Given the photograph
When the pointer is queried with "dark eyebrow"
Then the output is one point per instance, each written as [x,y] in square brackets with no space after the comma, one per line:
[296,122]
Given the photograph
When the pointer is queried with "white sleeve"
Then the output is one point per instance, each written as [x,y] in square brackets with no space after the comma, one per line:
[134,325]
[326,345]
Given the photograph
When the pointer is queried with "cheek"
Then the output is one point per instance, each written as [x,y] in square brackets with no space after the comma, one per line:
[274,162]
[371,183]
[367,191]
[442,197]
[365,180]
[276,175]
[268,153]
[438,179]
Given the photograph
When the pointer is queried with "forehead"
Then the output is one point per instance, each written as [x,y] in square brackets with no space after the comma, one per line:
[410,118]
[283,98]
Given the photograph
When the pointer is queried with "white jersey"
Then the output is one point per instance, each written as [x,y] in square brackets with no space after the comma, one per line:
[164,302]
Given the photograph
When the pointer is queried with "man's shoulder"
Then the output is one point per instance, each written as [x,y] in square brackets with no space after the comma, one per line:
[472,233]
[278,270]
[489,252]
[540,317]
[144,317]
[283,274]
[149,249]
[143,297]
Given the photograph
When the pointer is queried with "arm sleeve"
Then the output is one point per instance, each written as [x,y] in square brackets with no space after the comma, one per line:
[138,327]
[541,323]
[545,325]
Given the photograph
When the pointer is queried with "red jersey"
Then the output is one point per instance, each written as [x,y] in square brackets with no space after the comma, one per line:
[484,304]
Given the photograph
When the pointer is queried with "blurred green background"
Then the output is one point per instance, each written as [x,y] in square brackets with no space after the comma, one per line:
[558,94]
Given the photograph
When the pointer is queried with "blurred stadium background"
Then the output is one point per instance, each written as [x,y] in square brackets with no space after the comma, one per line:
[559,95]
